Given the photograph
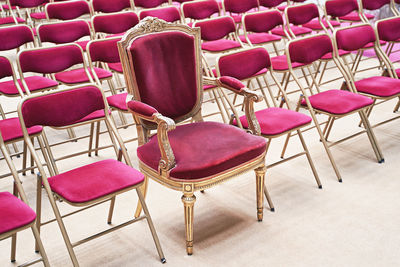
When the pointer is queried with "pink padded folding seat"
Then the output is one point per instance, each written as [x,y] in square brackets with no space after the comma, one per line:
[273,4]
[257,26]
[11,129]
[379,86]
[118,101]
[169,13]
[296,30]
[280,63]
[238,7]
[197,10]
[79,76]
[346,10]
[115,23]
[67,10]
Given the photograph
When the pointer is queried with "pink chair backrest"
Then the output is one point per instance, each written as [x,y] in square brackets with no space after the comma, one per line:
[149,3]
[165,71]
[200,9]
[374,4]
[50,59]
[263,21]
[216,28]
[15,36]
[389,30]
[62,108]
[298,1]
[67,10]
[5,67]
[239,6]
[339,8]
[310,49]
[354,38]
[169,13]
[105,50]
[244,64]
[107,6]
[63,32]
[271,3]
[115,23]
[28,3]
[302,14]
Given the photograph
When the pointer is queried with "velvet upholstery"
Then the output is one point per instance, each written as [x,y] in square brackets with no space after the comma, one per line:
[308,50]
[220,45]
[240,6]
[118,101]
[280,63]
[34,83]
[141,108]
[200,151]
[275,121]
[5,67]
[169,13]
[95,180]
[55,109]
[260,38]
[14,213]
[10,20]
[315,25]
[271,3]
[172,91]
[63,32]
[338,102]
[232,83]
[262,22]
[106,7]
[10,129]
[374,4]
[388,30]
[299,15]
[149,3]
[295,29]
[15,36]
[345,37]
[79,75]
[27,3]
[340,8]
[245,64]
[354,16]
[115,23]
[200,9]
[38,15]
[216,28]
[116,67]
[67,10]
[105,50]
[379,86]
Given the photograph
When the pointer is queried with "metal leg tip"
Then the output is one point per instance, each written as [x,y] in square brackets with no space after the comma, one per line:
[381,161]
[202,191]
[340,180]
[36,251]
[320,186]
[18,156]
[108,222]
[272,209]
[163,260]
[12,261]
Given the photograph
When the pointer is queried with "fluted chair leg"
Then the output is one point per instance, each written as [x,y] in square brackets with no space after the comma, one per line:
[188,200]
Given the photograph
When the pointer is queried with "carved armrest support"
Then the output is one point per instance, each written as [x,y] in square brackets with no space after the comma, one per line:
[164,124]
[250,97]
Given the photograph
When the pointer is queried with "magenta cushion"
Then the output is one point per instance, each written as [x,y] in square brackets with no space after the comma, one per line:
[79,75]
[341,53]
[10,20]
[204,149]
[141,108]
[237,18]
[308,50]
[338,101]
[219,45]
[388,29]
[216,28]
[274,121]
[115,23]
[200,10]
[94,115]
[240,6]
[353,16]
[14,36]
[149,3]
[232,82]
[118,101]
[168,13]
[379,86]
[83,44]
[14,213]
[314,24]
[263,22]
[259,38]
[280,63]
[345,37]
[38,15]
[301,14]
[11,129]
[271,3]
[95,180]
[116,67]
[296,30]
[34,83]
[208,87]
[398,72]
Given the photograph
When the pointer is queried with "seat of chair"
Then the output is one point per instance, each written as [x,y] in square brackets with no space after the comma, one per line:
[92,116]
[10,20]
[372,44]
[79,75]
[34,83]
[314,24]
[201,152]
[275,121]
[118,101]
[219,45]
[262,71]
[11,129]
[237,18]
[297,30]
[116,67]
[280,63]
[208,87]
[83,44]
[14,213]
[379,86]
[260,38]
[96,180]
[330,56]
[115,35]
[354,16]
[338,102]
[7,8]
[38,15]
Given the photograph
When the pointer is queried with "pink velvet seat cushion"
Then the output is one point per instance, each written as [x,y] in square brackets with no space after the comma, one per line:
[92,116]
[116,67]
[259,38]
[79,75]
[219,45]
[262,71]
[314,24]
[237,18]
[208,87]
[379,86]
[95,180]
[14,213]
[296,30]
[204,149]
[11,129]
[34,83]
[10,20]
[353,16]
[280,63]
[274,121]
[338,102]
[118,101]
[341,53]
[83,44]
[38,15]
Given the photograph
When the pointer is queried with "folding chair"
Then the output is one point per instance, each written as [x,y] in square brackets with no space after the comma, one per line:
[32,8]
[68,10]
[89,185]
[113,24]
[371,5]
[344,11]
[274,4]
[11,18]
[105,6]
[143,4]
[236,8]
[198,10]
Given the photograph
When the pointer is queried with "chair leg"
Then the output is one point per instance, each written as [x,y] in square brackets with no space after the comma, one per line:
[260,175]
[111,210]
[14,236]
[38,208]
[24,159]
[40,245]
[188,200]
[371,136]
[151,226]
[91,139]
[144,192]
[96,153]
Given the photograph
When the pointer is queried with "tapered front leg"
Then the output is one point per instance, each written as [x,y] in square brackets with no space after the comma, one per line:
[188,200]
[260,174]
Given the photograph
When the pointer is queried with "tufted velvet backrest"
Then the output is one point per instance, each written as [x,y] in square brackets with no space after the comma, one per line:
[164,66]
[104,50]
[149,3]
[302,14]
[374,4]
[216,28]
[354,38]
[339,8]
[263,21]
[50,59]
[61,108]
[271,3]
[63,32]
[106,6]
[200,9]
[15,36]
[244,64]
[115,23]
[67,10]
[5,67]
[239,6]
[389,30]
[309,49]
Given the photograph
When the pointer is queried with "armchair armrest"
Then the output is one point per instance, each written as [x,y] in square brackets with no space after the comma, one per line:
[164,124]
[250,97]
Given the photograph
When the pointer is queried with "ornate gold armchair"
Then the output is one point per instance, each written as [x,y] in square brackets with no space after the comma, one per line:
[163,72]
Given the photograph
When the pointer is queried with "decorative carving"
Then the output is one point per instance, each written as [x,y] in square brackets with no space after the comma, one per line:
[152,24]
[167,161]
